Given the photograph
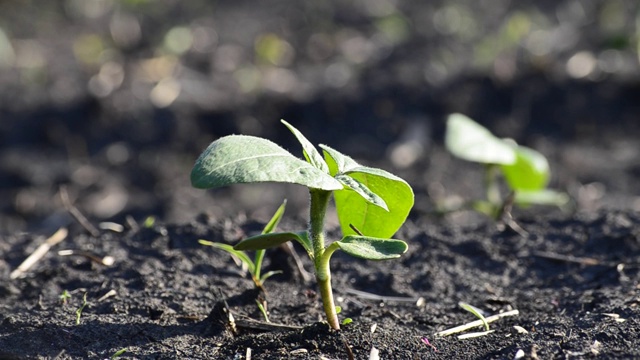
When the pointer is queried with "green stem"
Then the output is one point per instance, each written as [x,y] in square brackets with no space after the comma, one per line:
[259,256]
[318,209]
[492,188]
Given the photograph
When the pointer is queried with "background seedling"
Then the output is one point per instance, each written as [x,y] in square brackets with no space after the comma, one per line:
[81,308]
[254,267]
[372,200]
[526,171]
[118,353]
[64,297]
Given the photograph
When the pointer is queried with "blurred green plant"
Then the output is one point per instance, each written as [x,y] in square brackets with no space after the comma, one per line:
[526,171]
[368,200]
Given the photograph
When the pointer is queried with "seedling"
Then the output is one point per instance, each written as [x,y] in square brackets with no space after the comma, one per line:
[475,311]
[118,353]
[64,297]
[254,266]
[372,200]
[81,308]
[525,170]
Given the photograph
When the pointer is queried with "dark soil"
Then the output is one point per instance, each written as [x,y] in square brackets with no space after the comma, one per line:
[123,154]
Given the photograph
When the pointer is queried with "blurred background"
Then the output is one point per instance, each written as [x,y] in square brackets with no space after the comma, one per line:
[114,99]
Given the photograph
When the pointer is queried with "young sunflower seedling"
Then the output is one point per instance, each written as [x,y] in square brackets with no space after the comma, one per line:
[526,171]
[374,201]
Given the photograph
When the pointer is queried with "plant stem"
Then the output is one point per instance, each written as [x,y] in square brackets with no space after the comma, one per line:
[492,188]
[318,209]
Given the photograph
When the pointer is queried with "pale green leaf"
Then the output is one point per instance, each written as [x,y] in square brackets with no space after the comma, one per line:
[362,190]
[371,248]
[475,311]
[529,172]
[275,219]
[237,159]
[228,248]
[269,274]
[470,141]
[354,209]
[541,197]
[310,152]
[265,241]
[337,161]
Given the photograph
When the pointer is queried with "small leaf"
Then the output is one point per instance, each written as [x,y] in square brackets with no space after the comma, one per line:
[469,140]
[228,248]
[529,172]
[266,241]
[310,152]
[362,190]
[275,219]
[541,197]
[475,311]
[337,161]
[372,248]
[237,159]
[353,208]
[269,274]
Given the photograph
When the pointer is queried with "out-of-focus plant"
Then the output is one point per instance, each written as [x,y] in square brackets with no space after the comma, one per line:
[526,171]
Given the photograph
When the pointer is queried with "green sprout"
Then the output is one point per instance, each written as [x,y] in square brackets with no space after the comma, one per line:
[372,200]
[81,308]
[64,297]
[475,311]
[118,353]
[526,171]
[254,266]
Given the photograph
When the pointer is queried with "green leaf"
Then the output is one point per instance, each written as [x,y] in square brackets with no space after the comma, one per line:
[266,241]
[237,159]
[368,195]
[469,140]
[228,248]
[362,212]
[337,161]
[475,311]
[269,274]
[118,353]
[310,152]
[529,172]
[541,197]
[275,219]
[371,248]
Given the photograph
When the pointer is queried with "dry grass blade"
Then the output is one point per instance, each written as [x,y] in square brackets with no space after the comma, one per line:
[57,237]
[477,323]
[80,218]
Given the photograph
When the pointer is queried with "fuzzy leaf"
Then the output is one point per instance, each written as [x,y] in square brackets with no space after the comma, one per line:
[372,248]
[529,172]
[310,152]
[469,140]
[265,241]
[362,190]
[355,209]
[337,161]
[237,159]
